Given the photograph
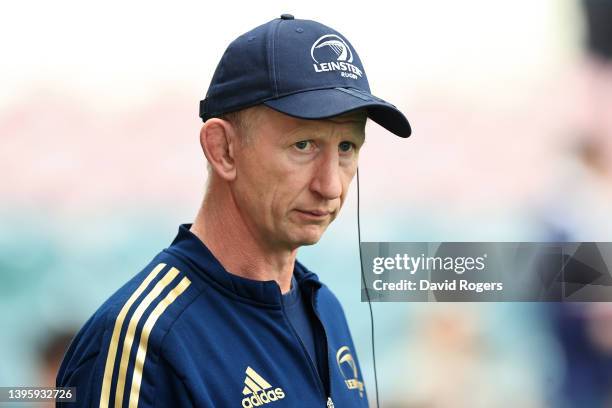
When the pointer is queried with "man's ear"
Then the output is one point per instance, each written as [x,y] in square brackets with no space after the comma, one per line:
[218,138]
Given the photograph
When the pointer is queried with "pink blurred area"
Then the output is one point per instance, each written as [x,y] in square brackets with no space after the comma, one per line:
[64,153]
[62,150]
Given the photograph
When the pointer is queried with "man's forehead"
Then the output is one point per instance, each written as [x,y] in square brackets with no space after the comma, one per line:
[263,121]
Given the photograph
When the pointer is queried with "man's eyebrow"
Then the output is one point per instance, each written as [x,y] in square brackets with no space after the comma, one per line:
[293,134]
[357,125]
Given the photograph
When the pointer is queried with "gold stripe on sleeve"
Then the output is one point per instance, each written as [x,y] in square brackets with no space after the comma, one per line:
[144,337]
[131,330]
[112,348]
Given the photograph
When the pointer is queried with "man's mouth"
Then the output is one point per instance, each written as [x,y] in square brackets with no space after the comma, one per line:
[315,213]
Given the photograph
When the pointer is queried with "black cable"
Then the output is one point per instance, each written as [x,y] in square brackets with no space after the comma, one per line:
[367,293]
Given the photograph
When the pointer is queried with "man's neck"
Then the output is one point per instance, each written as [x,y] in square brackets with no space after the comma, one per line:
[221,228]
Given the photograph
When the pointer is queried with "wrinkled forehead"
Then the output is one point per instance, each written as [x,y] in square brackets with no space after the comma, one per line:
[352,122]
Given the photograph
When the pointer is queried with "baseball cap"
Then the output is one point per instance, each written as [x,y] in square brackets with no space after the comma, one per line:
[298,67]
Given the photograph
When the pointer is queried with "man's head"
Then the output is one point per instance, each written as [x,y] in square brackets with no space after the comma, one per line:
[284,118]
[286,177]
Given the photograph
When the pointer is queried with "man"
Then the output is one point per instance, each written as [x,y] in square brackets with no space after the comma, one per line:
[226,316]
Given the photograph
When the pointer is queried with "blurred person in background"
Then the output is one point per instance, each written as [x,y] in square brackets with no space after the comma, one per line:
[583,212]
[51,352]
[585,335]
[579,208]
[596,148]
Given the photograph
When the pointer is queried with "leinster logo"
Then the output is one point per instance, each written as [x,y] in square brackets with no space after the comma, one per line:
[331,53]
[348,369]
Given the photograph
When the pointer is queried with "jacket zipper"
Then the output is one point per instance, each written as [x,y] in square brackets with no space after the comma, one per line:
[330,402]
[313,369]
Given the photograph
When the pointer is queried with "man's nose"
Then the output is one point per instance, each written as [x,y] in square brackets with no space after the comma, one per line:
[327,181]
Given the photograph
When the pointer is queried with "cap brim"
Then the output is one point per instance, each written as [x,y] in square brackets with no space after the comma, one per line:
[325,103]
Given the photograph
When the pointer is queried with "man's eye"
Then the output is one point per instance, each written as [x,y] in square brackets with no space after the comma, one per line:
[303,145]
[346,146]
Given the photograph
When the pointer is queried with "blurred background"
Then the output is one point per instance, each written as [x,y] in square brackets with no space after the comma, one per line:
[511,108]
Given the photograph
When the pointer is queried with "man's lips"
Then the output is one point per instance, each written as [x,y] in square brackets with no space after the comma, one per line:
[314,213]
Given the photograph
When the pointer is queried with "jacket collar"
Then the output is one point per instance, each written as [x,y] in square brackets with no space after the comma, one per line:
[189,246]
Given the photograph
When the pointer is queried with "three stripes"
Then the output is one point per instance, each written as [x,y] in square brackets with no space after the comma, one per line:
[130,335]
[254,382]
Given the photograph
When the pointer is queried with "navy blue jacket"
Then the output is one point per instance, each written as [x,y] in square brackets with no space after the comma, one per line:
[186,333]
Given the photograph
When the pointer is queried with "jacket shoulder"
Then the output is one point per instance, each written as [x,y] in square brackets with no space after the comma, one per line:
[126,332]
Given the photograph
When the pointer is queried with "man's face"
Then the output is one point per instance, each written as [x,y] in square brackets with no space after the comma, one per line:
[293,175]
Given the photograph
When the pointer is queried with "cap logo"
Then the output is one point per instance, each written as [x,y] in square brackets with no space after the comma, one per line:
[335,55]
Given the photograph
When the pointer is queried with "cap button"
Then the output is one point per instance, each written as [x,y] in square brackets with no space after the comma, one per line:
[287,16]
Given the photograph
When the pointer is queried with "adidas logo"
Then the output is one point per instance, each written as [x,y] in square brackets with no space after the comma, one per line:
[258,391]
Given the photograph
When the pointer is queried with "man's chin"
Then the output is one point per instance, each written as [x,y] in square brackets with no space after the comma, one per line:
[308,238]
[309,242]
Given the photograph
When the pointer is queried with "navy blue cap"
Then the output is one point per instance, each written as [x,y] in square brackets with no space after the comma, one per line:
[298,67]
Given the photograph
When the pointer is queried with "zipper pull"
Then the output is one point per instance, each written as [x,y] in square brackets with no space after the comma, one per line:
[330,403]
